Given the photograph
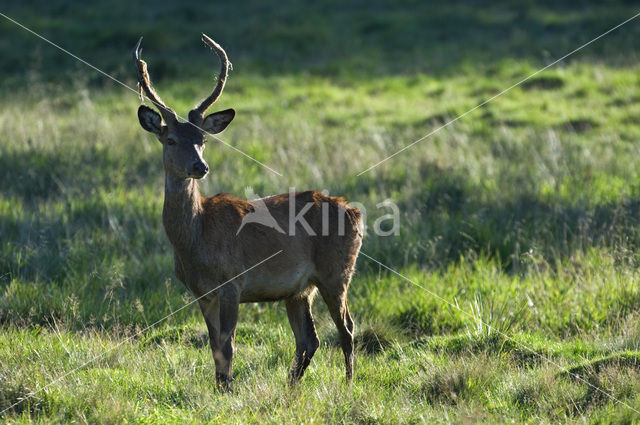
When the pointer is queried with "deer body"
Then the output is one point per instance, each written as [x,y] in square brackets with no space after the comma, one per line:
[210,246]
[213,248]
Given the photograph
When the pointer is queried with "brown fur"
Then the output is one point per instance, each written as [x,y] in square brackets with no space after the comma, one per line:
[208,253]
[213,253]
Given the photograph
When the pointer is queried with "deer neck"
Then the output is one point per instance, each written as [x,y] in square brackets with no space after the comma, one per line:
[182,213]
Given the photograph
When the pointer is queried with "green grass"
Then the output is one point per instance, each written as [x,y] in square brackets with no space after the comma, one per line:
[523,214]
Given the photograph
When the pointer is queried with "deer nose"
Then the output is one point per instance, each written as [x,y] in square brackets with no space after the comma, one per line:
[200,168]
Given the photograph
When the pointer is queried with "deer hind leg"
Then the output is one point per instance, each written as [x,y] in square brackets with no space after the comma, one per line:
[307,342]
[221,316]
[334,293]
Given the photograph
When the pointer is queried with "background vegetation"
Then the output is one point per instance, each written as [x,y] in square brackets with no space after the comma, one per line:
[523,214]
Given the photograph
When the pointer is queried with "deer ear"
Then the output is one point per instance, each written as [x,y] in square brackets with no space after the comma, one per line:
[150,120]
[218,121]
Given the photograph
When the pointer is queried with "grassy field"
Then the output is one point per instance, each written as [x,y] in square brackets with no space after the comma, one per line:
[523,215]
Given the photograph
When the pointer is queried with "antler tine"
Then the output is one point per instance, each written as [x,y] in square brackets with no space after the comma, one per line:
[144,85]
[222,78]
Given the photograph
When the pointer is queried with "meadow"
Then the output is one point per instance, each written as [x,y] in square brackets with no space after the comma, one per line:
[522,217]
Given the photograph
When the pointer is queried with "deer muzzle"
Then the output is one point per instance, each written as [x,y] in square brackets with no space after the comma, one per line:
[199,170]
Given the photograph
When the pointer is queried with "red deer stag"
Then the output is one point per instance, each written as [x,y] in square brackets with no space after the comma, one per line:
[211,244]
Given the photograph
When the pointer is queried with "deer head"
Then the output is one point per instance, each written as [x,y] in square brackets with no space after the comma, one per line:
[183,142]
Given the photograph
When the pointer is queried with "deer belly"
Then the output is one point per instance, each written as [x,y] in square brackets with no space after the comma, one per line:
[277,284]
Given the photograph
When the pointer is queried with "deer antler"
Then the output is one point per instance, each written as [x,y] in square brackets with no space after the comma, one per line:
[198,112]
[144,85]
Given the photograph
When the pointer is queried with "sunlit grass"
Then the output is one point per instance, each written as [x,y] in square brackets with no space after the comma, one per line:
[525,225]
[523,215]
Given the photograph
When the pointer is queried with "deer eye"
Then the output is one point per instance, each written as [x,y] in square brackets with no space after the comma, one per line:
[171,141]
